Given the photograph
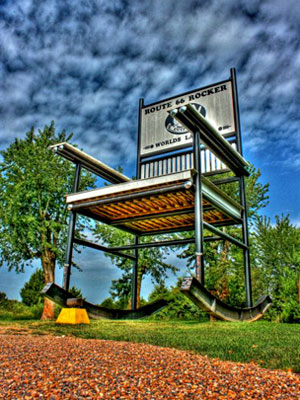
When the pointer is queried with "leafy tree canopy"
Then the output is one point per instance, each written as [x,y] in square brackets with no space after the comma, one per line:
[33,213]
[276,265]
[33,183]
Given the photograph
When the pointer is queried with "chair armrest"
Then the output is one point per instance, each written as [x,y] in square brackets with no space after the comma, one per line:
[90,163]
[194,121]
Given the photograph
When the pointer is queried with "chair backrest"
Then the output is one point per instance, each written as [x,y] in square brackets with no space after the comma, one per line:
[166,147]
[171,163]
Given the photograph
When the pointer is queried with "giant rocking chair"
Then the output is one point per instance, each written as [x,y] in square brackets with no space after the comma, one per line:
[172,194]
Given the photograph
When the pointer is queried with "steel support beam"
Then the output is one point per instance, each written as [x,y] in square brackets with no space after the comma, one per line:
[156,244]
[135,266]
[198,210]
[72,222]
[134,282]
[224,235]
[96,246]
[165,243]
[225,180]
[246,252]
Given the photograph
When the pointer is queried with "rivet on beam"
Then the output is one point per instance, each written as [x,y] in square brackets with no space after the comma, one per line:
[188,184]
[173,112]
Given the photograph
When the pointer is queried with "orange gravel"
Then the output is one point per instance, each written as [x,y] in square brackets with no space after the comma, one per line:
[48,367]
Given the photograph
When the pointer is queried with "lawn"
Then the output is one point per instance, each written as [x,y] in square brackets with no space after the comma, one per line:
[270,345]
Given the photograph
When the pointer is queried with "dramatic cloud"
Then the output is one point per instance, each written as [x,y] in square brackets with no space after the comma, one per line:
[85,64]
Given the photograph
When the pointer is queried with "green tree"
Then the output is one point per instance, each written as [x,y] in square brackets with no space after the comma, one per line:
[159,292]
[151,262]
[276,262]
[3,297]
[31,291]
[108,303]
[33,214]
[76,292]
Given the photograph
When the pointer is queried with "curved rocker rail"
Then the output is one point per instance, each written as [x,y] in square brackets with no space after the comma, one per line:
[59,296]
[196,292]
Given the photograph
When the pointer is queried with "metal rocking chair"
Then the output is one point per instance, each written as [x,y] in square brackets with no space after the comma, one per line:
[172,193]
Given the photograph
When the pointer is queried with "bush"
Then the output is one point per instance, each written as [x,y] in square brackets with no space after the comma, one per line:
[179,307]
[121,304]
[3,300]
[31,292]
[3,297]
[14,310]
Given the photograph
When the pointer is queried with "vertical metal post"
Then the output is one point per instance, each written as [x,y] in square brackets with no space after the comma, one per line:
[136,239]
[198,211]
[246,252]
[72,222]
[135,277]
[245,232]
[138,157]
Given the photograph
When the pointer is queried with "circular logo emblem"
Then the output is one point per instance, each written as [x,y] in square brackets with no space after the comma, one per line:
[175,127]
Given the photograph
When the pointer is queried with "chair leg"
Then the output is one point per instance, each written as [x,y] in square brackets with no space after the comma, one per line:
[72,222]
[198,211]
[135,277]
[69,252]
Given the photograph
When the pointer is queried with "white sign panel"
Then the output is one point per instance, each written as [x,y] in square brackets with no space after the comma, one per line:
[161,133]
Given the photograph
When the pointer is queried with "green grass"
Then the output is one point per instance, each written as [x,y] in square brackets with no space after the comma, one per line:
[271,345]
[11,310]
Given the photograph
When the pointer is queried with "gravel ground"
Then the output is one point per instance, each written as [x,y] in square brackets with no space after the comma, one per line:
[48,367]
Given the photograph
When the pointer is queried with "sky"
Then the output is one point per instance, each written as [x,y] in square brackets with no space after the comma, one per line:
[85,64]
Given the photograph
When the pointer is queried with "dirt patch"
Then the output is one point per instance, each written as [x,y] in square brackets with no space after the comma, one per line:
[14,330]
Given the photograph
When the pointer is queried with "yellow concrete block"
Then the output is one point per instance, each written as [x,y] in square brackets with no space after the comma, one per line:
[73,316]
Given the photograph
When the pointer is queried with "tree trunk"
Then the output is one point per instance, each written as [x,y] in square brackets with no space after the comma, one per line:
[48,264]
[224,290]
[138,291]
[139,285]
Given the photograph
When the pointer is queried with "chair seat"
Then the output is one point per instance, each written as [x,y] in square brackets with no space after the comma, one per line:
[156,205]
